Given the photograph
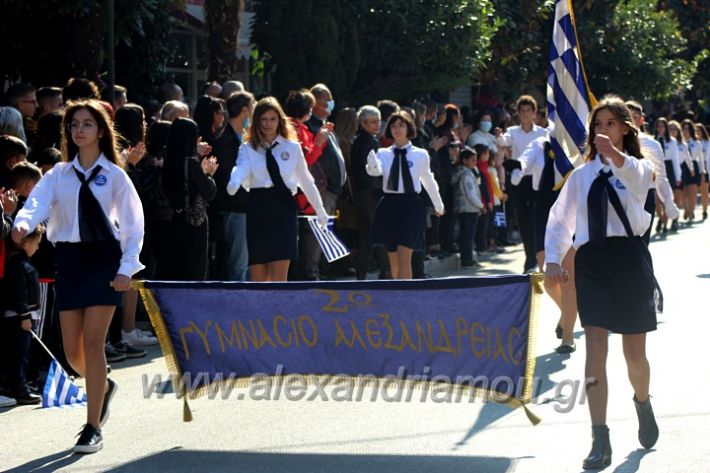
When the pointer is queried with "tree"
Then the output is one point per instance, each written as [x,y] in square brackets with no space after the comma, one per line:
[222,18]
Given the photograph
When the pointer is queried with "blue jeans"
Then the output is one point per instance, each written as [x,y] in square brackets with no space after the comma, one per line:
[235,256]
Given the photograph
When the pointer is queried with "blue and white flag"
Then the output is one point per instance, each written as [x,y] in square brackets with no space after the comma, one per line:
[59,390]
[569,99]
[333,248]
[499,220]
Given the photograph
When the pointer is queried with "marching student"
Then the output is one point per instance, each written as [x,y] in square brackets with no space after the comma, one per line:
[270,166]
[670,159]
[602,205]
[697,165]
[660,186]
[96,224]
[702,135]
[686,164]
[399,219]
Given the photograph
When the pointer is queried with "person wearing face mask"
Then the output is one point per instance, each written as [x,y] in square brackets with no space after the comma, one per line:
[232,255]
[333,165]
[482,135]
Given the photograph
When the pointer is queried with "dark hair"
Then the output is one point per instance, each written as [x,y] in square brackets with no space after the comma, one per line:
[404,117]
[168,91]
[47,157]
[182,144]
[634,106]
[48,92]
[49,131]
[16,91]
[479,117]
[467,153]
[107,143]
[117,90]
[526,100]
[79,88]
[616,106]
[34,234]
[24,171]
[703,132]
[387,108]
[237,101]
[667,134]
[299,103]
[480,149]
[156,144]
[689,123]
[674,123]
[204,112]
[284,129]
[130,124]
[10,147]
[451,111]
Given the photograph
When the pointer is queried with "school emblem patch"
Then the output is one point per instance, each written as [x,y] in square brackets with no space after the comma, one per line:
[100,180]
[285,156]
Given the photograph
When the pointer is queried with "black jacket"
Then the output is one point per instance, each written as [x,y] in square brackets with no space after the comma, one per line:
[20,288]
[225,150]
[328,161]
[359,178]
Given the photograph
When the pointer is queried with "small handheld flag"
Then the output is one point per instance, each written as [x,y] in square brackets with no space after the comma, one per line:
[333,248]
[59,390]
[499,220]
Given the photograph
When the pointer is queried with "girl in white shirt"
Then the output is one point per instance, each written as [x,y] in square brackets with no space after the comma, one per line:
[399,219]
[686,164]
[270,166]
[702,135]
[96,224]
[610,254]
[698,165]
[673,171]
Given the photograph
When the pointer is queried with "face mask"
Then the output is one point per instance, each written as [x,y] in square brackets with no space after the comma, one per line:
[330,106]
[486,126]
[245,123]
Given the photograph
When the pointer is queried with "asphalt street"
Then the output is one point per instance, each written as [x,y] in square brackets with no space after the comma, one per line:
[147,434]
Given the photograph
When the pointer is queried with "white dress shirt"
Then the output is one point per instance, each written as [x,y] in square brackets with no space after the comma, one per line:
[56,196]
[532,161]
[695,150]
[250,172]
[379,164]
[652,149]
[518,139]
[568,215]
[670,153]
[483,138]
[705,146]
[684,155]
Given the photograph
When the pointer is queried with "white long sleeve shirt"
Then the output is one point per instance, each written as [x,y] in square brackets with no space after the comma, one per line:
[250,172]
[518,139]
[56,196]
[652,149]
[532,162]
[379,164]
[670,153]
[684,155]
[695,150]
[569,215]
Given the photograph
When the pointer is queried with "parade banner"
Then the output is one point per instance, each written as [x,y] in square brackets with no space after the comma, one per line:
[467,333]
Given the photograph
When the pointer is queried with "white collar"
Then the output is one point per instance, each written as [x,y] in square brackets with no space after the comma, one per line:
[102,160]
[407,146]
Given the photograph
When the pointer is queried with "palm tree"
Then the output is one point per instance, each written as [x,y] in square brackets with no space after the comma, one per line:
[222,18]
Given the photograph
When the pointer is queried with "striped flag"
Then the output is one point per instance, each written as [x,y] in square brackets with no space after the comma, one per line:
[333,248]
[569,99]
[59,390]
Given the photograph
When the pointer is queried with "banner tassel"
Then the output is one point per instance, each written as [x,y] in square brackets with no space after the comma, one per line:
[532,417]
[186,412]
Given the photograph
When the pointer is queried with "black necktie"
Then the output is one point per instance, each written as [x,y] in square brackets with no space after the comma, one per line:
[400,161]
[275,174]
[93,224]
[597,207]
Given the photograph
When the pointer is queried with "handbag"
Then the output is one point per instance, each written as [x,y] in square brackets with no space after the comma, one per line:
[195,214]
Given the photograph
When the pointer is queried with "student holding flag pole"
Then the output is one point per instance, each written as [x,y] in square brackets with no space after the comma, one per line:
[399,219]
[96,223]
[270,166]
[602,205]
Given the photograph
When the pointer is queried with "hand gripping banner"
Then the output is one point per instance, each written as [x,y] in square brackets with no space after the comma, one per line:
[471,335]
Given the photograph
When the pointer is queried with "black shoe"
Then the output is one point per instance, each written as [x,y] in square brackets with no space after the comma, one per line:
[23,396]
[674,226]
[113,356]
[600,455]
[648,429]
[112,387]
[565,349]
[558,331]
[705,215]
[90,440]
[659,227]
[129,351]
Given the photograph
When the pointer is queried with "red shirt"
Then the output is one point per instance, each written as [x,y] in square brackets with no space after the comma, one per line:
[311,152]
[486,178]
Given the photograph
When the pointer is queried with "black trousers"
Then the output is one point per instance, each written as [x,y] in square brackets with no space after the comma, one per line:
[183,256]
[523,199]
[448,220]
[468,224]
[365,202]
[15,352]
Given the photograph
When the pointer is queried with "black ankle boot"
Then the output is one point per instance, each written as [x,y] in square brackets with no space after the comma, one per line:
[600,455]
[674,226]
[648,429]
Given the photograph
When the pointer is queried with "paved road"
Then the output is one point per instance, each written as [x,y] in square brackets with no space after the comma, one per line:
[146,435]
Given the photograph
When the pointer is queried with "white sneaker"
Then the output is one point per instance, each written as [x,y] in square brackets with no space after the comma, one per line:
[7,401]
[137,338]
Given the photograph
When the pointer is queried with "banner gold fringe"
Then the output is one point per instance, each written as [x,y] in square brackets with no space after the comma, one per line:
[156,318]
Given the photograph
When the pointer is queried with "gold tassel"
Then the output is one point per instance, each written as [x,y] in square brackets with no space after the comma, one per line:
[186,412]
[532,417]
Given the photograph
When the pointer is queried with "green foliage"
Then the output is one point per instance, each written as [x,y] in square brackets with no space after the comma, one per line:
[222,18]
[372,49]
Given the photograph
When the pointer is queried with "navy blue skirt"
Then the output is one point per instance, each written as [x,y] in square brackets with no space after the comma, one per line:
[670,173]
[272,226]
[687,178]
[84,273]
[399,220]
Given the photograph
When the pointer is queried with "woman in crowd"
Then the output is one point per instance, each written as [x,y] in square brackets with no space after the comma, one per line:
[271,165]
[11,123]
[209,116]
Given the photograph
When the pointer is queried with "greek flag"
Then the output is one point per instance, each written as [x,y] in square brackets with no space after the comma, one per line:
[59,390]
[569,99]
[499,220]
[333,248]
